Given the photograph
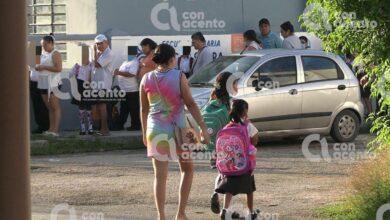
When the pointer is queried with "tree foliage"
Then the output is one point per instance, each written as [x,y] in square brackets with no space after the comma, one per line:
[360,27]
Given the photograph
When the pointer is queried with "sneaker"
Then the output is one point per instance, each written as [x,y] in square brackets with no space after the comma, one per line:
[53,134]
[215,207]
[226,214]
[81,133]
[253,215]
[91,132]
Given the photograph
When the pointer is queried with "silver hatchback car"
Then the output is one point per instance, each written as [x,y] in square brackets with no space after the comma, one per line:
[291,92]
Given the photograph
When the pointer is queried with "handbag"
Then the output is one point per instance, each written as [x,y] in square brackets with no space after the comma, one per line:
[187,138]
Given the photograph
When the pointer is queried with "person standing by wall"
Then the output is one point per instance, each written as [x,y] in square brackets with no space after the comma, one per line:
[251,41]
[164,93]
[268,38]
[204,55]
[147,64]
[41,113]
[291,41]
[185,61]
[127,79]
[50,65]
[102,79]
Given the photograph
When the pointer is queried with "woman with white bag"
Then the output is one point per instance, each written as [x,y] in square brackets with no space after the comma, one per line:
[49,67]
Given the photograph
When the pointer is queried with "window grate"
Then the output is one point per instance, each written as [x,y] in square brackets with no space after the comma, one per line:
[47,16]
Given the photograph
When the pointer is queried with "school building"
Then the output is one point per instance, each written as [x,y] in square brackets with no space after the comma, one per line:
[79,21]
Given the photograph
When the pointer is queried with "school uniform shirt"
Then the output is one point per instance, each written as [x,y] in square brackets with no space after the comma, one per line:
[129,84]
[82,72]
[204,57]
[292,42]
[185,64]
[253,46]
[252,130]
[270,41]
[104,74]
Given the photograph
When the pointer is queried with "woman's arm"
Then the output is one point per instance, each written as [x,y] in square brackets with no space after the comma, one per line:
[57,61]
[192,107]
[144,112]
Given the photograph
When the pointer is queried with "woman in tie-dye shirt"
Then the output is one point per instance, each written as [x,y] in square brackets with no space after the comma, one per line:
[164,92]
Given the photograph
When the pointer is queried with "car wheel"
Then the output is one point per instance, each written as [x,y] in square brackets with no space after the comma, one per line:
[345,127]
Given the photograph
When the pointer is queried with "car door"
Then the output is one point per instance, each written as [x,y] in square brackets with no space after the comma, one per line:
[324,90]
[274,96]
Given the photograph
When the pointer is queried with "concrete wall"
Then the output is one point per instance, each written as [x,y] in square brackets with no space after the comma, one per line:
[174,17]
[81,17]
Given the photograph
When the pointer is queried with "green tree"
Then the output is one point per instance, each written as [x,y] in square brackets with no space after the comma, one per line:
[360,27]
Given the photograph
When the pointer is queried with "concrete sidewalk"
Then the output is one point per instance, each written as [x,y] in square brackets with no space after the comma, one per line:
[129,139]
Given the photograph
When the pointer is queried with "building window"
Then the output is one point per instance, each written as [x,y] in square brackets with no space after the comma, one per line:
[47,16]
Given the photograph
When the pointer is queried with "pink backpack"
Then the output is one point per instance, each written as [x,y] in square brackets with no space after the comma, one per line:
[235,153]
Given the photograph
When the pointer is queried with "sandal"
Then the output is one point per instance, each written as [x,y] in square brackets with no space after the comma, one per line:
[98,133]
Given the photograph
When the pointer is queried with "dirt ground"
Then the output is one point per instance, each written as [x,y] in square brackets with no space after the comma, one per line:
[119,184]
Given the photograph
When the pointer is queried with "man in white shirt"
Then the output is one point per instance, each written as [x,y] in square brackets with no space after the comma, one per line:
[291,41]
[102,79]
[185,61]
[127,79]
[204,55]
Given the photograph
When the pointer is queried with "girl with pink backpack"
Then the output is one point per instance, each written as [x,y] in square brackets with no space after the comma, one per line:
[236,159]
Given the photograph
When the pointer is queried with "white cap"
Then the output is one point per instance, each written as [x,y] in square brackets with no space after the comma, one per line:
[100,38]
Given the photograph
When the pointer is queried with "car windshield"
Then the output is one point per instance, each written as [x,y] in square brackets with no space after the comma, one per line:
[237,65]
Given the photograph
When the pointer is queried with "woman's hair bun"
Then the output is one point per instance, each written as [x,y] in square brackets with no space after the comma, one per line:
[163,54]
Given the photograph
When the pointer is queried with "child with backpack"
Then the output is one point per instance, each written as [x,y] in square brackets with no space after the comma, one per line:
[83,75]
[216,112]
[236,158]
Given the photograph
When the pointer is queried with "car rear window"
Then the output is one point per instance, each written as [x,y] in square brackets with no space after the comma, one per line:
[320,68]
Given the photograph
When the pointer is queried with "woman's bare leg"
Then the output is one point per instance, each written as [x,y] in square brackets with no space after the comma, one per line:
[45,99]
[103,118]
[56,111]
[160,182]
[187,174]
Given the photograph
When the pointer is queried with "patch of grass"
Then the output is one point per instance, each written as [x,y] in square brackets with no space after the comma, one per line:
[370,183]
[334,211]
[55,146]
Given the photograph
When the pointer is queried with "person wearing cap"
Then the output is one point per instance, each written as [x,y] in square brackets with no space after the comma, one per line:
[102,79]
